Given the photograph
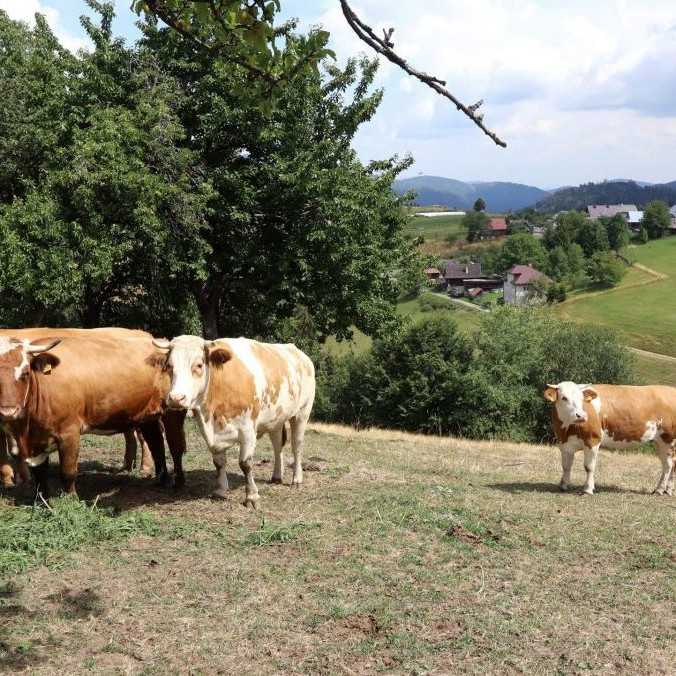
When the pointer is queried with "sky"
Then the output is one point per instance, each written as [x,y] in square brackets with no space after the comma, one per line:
[580,91]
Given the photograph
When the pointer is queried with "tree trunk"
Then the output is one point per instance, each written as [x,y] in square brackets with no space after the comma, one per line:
[207,302]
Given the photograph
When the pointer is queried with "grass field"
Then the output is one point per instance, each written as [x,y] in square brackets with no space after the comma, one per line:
[644,314]
[654,371]
[436,228]
[424,305]
[401,554]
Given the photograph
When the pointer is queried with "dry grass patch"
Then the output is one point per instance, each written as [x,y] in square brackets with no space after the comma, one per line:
[402,554]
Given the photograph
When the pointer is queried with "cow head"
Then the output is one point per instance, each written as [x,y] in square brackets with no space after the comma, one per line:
[189,361]
[569,399]
[17,357]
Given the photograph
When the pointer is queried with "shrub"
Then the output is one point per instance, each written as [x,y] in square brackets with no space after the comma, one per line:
[606,269]
[431,378]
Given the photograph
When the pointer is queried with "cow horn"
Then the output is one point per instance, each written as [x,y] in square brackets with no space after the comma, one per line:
[162,344]
[554,387]
[37,348]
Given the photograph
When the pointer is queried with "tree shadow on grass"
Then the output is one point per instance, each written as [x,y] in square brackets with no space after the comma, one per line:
[121,491]
[542,487]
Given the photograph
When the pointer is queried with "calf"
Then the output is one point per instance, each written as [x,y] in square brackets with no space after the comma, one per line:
[586,417]
[54,390]
[241,389]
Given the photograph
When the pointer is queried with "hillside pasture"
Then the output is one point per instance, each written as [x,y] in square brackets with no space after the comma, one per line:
[642,307]
[420,307]
[401,554]
[437,228]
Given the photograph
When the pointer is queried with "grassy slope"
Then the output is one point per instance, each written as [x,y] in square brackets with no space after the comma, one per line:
[435,228]
[467,320]
[401,554]
[645,315]
[656,371]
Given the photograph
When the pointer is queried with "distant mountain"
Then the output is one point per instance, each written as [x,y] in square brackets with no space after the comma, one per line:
[608,192]
[499,196]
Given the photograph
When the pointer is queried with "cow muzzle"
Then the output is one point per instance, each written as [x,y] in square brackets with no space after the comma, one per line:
[177,400]
[580,417]
[10,412]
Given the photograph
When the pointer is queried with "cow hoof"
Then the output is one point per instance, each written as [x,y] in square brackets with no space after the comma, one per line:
[179,483]
[587,492]
[276,480]
[163,480]
[563,488]
[220,494]
[296,484]
[251,501]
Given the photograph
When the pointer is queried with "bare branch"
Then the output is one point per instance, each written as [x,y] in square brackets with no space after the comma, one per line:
[385,46]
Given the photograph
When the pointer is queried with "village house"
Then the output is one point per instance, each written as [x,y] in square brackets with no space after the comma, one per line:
[497,227]
[460,277]
[522,285]
[433,274]
[595,211]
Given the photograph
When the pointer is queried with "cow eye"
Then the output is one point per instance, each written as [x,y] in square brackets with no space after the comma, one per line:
[564,399]
[198,367]
[24,375]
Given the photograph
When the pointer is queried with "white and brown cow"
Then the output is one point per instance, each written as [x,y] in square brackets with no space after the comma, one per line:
[586,417]
[239,390]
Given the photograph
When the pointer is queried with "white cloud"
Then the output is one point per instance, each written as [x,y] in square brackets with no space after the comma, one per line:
[25,10]
[579,90]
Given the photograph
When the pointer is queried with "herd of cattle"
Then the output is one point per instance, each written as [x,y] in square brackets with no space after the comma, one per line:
[57,384]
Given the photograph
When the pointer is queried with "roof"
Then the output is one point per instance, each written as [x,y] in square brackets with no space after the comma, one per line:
[526,274]
[635,216]
[457,270]
[497,225]
[598,210]
[432,271]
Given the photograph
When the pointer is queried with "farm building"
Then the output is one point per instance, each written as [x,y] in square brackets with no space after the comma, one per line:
[433,273]
[595,211]
[460,277]
[521,286]
[497,227]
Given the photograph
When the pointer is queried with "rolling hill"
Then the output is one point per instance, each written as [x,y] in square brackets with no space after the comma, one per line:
[499,196]
[607,192]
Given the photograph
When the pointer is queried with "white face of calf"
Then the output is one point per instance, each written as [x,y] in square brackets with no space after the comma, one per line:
[569,400]
[189,360]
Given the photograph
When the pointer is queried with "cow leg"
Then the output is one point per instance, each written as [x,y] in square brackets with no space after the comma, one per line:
[590,457]
[173,429]
[247,446]
[277,439]
[222,487]
[666,455]
[130,448]
[152,433]
[40,475]
[298,425]
[567,458]
[6,469]
[69,452]
[147,465]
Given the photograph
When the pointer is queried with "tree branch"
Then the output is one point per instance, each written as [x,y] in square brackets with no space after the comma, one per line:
[385,46]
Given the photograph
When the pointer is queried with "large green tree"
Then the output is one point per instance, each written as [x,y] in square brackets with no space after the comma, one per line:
[656,219]
[168,199]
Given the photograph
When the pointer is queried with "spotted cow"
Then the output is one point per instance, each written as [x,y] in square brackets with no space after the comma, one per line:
[239,390]
[586,417]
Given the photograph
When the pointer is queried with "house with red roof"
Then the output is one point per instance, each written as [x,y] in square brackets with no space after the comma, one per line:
[497,227]
[523,285]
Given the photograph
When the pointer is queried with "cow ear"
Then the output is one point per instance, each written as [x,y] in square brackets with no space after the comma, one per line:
[162,344]
[217,356]
[589,393]
[551,392]
[45,362]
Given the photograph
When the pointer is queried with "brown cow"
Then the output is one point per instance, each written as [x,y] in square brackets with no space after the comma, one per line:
[54,390]
[8,446]
[586,417]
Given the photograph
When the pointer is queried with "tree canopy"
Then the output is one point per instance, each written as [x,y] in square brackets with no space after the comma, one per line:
[151,190]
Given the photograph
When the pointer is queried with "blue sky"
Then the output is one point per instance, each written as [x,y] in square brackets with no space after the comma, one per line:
[580,91]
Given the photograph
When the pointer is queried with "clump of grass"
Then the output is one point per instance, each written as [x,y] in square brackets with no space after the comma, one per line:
[33,536]
[268,534]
